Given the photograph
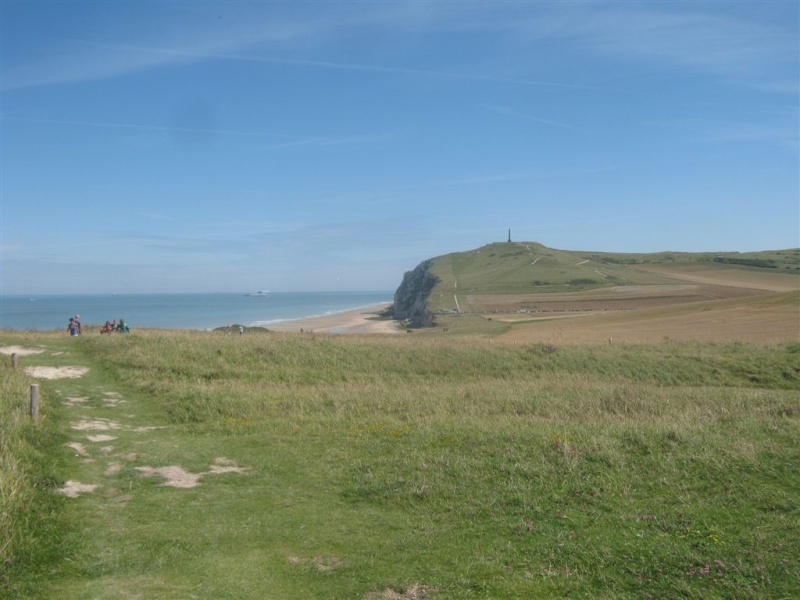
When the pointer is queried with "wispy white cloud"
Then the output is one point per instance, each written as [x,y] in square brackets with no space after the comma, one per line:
[120,35]
[747,43]
[707,131]
[147,127]
[428,192]
[187,41]
[701,37]
[510,112]
[289,140]
[176,55]
[394,193]
[321,142]
[156,217]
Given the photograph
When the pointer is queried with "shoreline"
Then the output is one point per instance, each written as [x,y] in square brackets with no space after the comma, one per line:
[191,311]
[358,320]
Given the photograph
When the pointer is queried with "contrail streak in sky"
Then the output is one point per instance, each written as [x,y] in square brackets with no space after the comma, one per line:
[152,127]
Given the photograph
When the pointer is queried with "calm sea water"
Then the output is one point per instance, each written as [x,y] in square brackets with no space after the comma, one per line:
[179,311]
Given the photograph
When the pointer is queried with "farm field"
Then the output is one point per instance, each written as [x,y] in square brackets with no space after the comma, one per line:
[176,464]
[760,319]
[690,302]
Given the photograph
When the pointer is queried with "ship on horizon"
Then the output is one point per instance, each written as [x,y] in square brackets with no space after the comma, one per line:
[259,293]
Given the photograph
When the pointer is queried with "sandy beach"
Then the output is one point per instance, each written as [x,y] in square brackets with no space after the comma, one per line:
[354,321]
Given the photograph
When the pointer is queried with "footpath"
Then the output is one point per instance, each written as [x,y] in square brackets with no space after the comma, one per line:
[120,455]
[107,432]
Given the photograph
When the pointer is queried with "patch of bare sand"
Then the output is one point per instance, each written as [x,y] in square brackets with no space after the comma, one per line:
[96,425]
[56,372]
[75,488]
[181,478]
[20,351]
[75,401]
[100,438]
[112,399]
[175,476]
[78,447]
[225,465]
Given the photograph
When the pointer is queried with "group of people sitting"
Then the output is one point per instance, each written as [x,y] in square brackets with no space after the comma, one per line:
[111,326]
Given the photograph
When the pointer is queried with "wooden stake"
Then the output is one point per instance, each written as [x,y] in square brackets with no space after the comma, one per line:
[35,401]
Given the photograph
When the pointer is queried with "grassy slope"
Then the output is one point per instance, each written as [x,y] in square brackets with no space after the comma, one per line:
[483,471]
[528,267]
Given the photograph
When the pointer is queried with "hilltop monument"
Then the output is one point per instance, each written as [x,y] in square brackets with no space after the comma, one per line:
[509,235]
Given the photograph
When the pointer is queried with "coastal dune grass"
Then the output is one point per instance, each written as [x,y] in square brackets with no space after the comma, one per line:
[31,527]
[459,470]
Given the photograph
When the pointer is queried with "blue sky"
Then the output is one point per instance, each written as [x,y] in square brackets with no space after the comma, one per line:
[302,146]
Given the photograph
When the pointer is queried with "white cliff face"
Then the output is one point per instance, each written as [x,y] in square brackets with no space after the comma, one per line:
[411,298]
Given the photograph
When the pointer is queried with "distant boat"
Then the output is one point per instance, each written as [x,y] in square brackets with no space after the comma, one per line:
[259,293]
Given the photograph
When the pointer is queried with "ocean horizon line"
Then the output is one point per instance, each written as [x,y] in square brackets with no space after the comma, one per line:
[235,293]
[184,310]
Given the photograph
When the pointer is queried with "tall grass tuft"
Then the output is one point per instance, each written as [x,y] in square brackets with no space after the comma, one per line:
[29,525]
[330,381]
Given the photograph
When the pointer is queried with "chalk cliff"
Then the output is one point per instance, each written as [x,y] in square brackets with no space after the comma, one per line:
[411,298]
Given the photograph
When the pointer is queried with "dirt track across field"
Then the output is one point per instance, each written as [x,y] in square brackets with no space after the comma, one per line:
[703,305]
[616,298]
[766,280]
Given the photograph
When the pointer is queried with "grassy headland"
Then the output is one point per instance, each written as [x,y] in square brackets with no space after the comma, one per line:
[531,268]
[526,292]
[418,465]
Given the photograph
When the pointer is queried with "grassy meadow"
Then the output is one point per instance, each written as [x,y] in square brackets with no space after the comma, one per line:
[510,273]
[402,467]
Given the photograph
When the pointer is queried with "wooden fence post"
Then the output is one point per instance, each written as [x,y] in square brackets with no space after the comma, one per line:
[35,401]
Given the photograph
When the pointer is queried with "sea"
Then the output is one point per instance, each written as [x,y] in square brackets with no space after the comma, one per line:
[199,311]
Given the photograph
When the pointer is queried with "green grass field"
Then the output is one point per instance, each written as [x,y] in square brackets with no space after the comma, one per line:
[524,268]
[402,467]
